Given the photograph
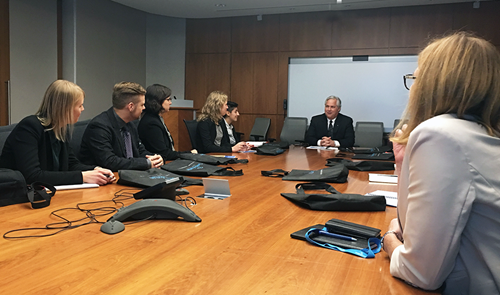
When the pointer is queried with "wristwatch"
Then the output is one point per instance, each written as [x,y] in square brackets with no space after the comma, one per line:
[383,237]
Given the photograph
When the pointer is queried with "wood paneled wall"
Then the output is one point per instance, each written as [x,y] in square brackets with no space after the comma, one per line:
[248,59]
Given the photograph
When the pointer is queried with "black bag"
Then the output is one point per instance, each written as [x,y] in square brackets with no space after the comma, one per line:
[13,190]
[337,174]
[335,201]
[270,149]
[152,177]
[361,165]
[208,159]
[193,168]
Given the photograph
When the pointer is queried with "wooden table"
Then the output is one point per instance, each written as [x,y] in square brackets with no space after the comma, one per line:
[242,246]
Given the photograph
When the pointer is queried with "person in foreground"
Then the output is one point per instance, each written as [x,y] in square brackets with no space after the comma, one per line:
[448,227]
[111,139]
[211,132]
[331,128]
[39,145]
[153,132]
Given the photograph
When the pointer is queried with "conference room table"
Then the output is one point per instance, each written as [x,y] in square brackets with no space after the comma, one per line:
[242,245]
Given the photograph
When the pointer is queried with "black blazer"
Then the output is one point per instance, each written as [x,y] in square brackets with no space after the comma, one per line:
[29,149]
[343,130]
[155,138]
[206,133]
[103,144]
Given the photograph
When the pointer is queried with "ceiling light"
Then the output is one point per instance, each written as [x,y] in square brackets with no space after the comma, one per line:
[339,1]
[220,5]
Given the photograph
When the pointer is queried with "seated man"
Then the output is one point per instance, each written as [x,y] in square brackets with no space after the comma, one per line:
[231,116]
[331,128]
[111,139]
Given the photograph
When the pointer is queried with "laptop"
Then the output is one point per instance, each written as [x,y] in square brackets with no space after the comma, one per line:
[216,188]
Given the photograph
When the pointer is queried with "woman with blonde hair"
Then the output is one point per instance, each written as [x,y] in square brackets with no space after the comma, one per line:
[448,227]
[211,132]
[39,145]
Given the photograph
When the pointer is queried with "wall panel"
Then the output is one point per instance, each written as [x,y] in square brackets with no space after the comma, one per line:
[250,35]
[306,31]
[484,21]
[208,35]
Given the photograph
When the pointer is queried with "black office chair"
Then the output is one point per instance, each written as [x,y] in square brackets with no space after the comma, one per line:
[369,134]
[294,130]
[191,126]
[259,129]
[4,133]
[396,122]
[76,138]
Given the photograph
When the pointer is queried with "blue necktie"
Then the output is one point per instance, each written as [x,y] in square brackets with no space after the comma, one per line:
[128,142]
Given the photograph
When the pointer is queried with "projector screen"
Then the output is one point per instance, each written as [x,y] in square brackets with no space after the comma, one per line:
[370,90]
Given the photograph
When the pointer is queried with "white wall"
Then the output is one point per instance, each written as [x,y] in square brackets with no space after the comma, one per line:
[165,52]
[33,53]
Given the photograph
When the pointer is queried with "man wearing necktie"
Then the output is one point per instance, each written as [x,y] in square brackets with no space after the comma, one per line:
[111,139]
[331,129]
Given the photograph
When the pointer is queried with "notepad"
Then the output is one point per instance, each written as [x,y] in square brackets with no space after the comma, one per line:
[391,198]
[384,178]
[75,186]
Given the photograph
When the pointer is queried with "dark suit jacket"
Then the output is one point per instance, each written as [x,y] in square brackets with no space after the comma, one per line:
[206,134]
[29,149]
[343,130]
[103,144]
[155,138]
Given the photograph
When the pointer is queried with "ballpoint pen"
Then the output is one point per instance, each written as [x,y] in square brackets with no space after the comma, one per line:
[342,237]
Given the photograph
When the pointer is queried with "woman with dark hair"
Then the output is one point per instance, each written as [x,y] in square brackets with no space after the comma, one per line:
[448,158]
[153,132]
[39,145]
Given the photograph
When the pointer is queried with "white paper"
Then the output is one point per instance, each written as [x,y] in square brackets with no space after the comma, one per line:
[317,147]
[75,186]
[385,178]
[256,143]
[391,198]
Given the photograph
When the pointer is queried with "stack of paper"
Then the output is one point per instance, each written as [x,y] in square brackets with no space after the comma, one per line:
[385,178]
[391,198]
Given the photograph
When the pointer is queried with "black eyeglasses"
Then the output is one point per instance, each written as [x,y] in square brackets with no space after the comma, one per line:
[406,77]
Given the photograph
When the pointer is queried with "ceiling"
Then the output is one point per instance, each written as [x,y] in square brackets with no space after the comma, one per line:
[226,8]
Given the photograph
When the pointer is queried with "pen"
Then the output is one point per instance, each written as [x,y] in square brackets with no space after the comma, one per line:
[342,237]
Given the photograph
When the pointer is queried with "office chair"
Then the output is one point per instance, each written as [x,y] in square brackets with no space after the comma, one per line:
[396,122]
[191,126]
[369,134]
[260,128]
[76,138]
[294,130]
[4,133]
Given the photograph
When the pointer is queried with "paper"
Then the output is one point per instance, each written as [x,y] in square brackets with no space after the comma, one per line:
[75,186]
[256,143]
[317,147]
[385,178]
[391,198]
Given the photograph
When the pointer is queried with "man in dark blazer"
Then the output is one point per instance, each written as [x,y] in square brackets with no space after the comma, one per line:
[111,139]
[331,128]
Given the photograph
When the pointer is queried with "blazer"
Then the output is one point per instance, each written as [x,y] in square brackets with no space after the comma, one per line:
[206,133]
[343,130]
[155,138]
[29,149]
[103,144]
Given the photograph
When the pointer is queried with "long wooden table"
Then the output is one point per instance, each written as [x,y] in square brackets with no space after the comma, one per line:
[242,246]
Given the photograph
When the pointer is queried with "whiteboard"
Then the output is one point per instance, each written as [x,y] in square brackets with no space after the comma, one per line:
[370,90]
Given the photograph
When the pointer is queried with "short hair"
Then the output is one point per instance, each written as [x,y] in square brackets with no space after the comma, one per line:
[231,105]
[339,102]
[457,74]
[156,95]
[125,92]
[56,109]
[212,107]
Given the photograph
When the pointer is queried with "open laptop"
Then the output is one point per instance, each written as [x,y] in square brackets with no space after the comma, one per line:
[216,188]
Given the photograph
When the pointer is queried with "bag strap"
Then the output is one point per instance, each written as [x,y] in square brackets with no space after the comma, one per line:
[300,187]
[38,196]
[278,173]
[228,171]
[238,161]
[364,253]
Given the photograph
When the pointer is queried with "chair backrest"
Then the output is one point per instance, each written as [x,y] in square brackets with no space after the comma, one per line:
[396,122]
[260,128]
[369,134]
[191,126]
[76,137]
[4,133]
[294,130]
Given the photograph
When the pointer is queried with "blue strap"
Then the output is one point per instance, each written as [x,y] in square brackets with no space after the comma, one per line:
[365,253]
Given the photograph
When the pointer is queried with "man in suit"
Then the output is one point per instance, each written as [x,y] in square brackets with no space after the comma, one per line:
[111,139]
[331,128]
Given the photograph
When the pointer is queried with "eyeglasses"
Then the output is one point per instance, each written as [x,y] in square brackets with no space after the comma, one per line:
[408,77]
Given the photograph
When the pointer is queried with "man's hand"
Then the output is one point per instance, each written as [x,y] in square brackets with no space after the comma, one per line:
[156,160]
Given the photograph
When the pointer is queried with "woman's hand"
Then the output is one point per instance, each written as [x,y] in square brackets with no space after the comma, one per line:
[98,176]
[240,146]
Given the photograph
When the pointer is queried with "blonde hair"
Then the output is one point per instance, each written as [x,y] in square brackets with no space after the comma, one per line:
[212,107]
[56,109]
[457,74]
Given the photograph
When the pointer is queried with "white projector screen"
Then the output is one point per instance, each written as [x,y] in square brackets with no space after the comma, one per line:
[370,90]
